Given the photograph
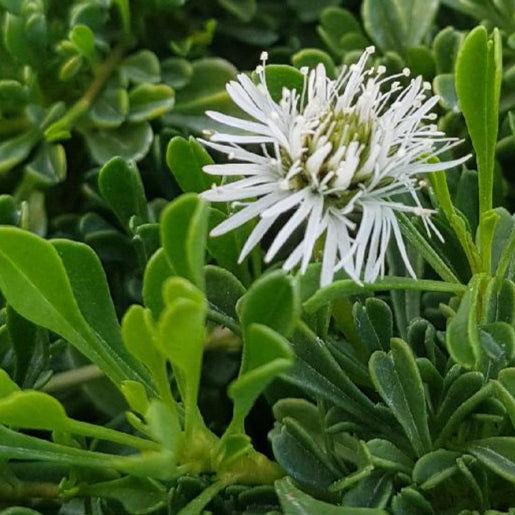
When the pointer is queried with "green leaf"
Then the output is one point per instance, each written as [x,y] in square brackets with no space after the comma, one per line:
[91,291]
[18,446]
[41,291]
[110,108]
[223,290]
[83,40]
[397,379]
[13,151]
[242,9]
[341,31]
[226,247]
[296,502]
[186,159]
[138,337]
[279,76]
[462,336]
[142,67]
[445,47]
[444,87]
[411,502]
[435,468]
[497,453]
[158,270]
[387,456]
[478,82]
[128,141]
[137,495]
[183,234]
[311,57]
[30,344]
[398,26]
[48,167]
[266,354]
[181,339]
[273,301]
[205,91]
[150,101]
[308,11]
[33,410]
[462,396]
[7,385]
[120,184]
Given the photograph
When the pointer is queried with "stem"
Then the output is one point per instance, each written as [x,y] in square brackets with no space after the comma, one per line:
[20,492]
[425,249]
[111,435]
[62,127]
[439,183]
[506,256]
[347,287]
[73,378]
[220,318]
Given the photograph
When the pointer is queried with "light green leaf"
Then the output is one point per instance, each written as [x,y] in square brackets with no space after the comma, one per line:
[478,82]
[180,337]
[158,270]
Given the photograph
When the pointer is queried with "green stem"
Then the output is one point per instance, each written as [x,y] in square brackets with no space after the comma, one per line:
[426,250]
[111,435]
[73,378]
[439,183]
[21,492]
[62,127]
[220,318]
[347,287]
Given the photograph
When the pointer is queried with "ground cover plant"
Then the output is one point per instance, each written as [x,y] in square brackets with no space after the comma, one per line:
[257,257]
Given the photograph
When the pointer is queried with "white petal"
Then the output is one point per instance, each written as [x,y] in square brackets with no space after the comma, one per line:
[246,214]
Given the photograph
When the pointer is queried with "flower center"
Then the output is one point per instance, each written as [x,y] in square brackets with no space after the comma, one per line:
[335,150]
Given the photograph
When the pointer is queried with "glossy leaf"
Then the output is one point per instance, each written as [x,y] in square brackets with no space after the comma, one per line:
[271,301]
[120,184]
[183,234]
[186,158]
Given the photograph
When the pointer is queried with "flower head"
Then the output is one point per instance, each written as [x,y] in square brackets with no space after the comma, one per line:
[335,157]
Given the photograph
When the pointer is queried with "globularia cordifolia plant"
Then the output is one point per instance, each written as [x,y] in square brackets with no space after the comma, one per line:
[335,333]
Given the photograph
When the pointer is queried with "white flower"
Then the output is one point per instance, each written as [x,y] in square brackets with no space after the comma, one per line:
[333,156]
